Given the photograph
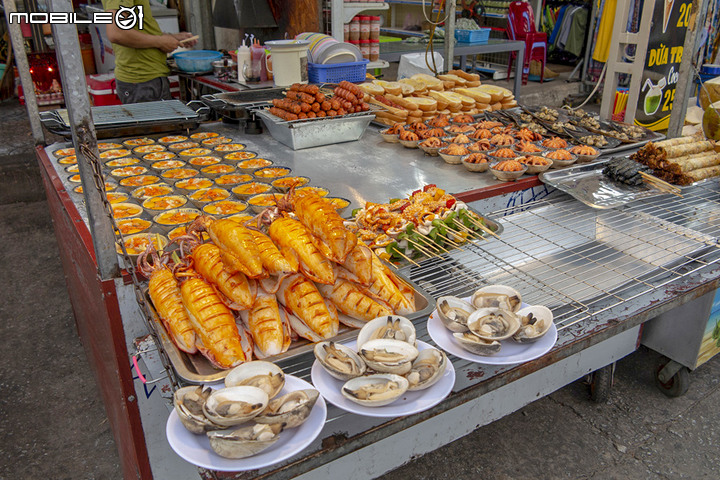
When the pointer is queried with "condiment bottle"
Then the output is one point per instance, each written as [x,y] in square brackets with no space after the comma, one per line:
[244,58]
[257,53]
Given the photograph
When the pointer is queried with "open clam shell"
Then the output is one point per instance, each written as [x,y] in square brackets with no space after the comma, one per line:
[427,369]
[188,403]
[291,409]
[535,321]
[454,313]
[265,375]
[339,361]
[235,405]
[474,344]
[393,327]
[246,441]
[497,296]
[388,356]
[493,323]
[375,390]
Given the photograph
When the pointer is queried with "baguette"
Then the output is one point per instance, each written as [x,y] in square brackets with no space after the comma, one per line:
[480,97]
[471,77]
[407,105]
[386,121]
[424,103]
[371,88]
[395,111]
[390,87]
[391,116]
[457,80]
[473,84]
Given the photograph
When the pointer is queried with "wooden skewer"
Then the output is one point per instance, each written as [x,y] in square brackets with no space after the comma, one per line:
[450,241]
[407,258]
[660,184]
[189,39]
[432,244]
[422,250]
[471,233]
[476,221]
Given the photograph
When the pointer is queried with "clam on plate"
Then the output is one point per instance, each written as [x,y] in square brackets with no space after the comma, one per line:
[410,402]
[196,448]
[511,353]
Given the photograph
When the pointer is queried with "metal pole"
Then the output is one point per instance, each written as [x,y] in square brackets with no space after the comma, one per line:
[69,58]
[449,35]
[685,82]
[21,60]
[37,30]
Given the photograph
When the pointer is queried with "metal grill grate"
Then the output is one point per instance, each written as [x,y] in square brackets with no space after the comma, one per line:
[580,261]
[137,113]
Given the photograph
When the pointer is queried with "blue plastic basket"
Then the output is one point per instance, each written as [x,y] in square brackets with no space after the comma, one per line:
[473,36]
[337,72]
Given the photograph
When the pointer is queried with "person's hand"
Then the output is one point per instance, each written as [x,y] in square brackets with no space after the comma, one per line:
[183,36]
[166,42]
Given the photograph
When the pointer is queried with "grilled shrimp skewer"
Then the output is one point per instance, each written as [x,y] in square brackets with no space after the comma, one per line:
[165,294]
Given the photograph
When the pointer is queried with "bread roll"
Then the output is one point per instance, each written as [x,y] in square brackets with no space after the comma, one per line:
[371,88]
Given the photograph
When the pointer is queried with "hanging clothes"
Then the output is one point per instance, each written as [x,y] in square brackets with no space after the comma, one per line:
[576,38]
[558,24]
[602,45]
[567,25]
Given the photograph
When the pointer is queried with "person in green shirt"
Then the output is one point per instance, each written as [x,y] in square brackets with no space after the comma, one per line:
[141,55]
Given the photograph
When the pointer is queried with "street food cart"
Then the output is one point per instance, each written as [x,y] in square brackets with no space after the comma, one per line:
[604,273]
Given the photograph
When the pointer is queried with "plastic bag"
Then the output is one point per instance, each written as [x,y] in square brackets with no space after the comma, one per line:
[412,63]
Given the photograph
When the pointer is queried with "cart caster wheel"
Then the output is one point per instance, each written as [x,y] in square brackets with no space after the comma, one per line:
[677,385]
[601,383]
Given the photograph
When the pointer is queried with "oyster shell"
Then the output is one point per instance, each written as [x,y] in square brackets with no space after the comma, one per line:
[493,323]
[427,369]
[535,321]
[291,409]
[235,405]
[375,390]
[244,442]
[388,356]
[188,403]
[497,296]
[339,361]
[393,327]
[454,313]
[264,375]
[474,344]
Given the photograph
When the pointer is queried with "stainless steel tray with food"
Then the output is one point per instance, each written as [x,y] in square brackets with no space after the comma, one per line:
[198,369]
[588,184]
[237,105]
[308,133]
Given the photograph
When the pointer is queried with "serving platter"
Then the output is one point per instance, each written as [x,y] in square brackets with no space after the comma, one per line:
[410,403]
[196,448]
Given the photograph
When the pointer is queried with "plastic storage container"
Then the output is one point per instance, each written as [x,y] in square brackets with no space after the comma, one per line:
[336,73]
[196,61]
[473,36]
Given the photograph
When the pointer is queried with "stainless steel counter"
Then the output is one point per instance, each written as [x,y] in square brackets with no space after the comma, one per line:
[604,274]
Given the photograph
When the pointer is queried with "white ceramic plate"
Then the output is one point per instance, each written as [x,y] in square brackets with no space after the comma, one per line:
[411,402]
[510,353]
[196,448]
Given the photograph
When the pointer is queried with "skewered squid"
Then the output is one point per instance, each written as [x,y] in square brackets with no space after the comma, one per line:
[237,245]
[235,289]
[320,217]
[268,324]
[165,294]
[353,302]
[311,317]
[218,337]
[390,289]
[294,239]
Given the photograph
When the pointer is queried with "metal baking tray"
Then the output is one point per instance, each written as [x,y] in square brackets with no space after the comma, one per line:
[588,184]
[133,119]
[308,133]
[237,105]
[196,369]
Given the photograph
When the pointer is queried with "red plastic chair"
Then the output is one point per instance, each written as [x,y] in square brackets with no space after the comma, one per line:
[521,26]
